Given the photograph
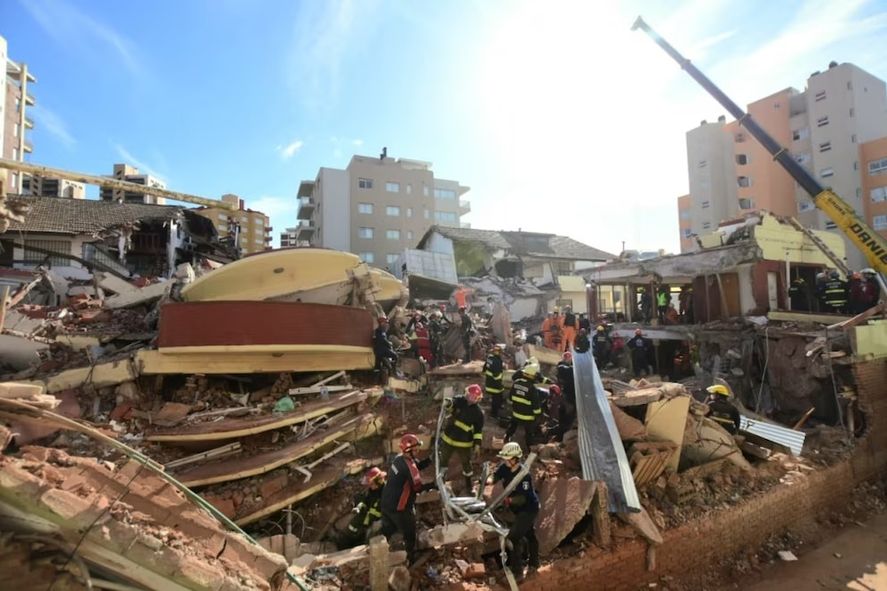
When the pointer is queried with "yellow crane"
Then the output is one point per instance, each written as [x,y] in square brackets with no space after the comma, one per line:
[869,242]
[109,183]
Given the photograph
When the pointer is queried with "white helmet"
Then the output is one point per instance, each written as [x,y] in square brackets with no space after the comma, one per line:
[511,450]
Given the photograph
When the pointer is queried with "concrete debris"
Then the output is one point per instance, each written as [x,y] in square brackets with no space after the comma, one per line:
[564,503]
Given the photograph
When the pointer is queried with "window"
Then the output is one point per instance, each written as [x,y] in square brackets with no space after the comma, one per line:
[409,189]
[61,246]
[392,210]
[853,138]
[366,208]
[802,158]
[15,153]
[804,206]
[444,194]
[705,204]
[827,172]
[259,222]
[409,234]
[800,134]
[706,225]
[365,183]
[15,130]
[367,257]
[392,187]
[744,181]
[852,112]
[687,232]
[739,138]
[879,194]
[746,203]
[409,212]
[365,232]
[425,190]
[820,96]
[822,122]
[684,215]
[392,234]
[849,85]
[741,159]
[855,165]
[392,259]
[878,166]
[825,146]
[830,225]
[879,222]
[702,164]
[445,217]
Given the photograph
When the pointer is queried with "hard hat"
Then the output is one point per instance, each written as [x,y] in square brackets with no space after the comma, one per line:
[554,390]
[382,319]
[820,275]
[718,389]
[409,442]
[436,314]
[868,271]
[511,450]
[530,370]
[600,328]
[568,356]
[533,361]
[461,308]
[374,474]
[473,393]
[834,274]
[496,349]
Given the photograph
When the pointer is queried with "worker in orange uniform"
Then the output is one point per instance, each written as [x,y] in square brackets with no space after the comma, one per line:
[546,330]
[570,327]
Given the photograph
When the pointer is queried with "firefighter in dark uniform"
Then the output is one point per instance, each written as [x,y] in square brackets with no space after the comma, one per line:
[601,345]
[721,409]
[465,329]
[399,493]
[493,373]
[567,409]
[834,294]
[367,511]
[464,431]
[799,295]
[524,503]
[526,409]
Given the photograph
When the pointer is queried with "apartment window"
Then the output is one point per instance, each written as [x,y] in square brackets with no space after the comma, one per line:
[365,183]
[830,225]
[852,112]
[879,194]
[259,222]
[879,222]
[702,164]
[741,159]
[849,85]
[392,259]
[802,158]
[15,130]
[409,212]
[409,234]
[827,172]
[739,137]
[825,146]
[800,134]
[409,189]
[822,122]
[445,217]
[684,215]
[444,194]
[820,96]
[706,225]
[367,257]
[804,206]
[425,190]
[366,208]
[15,153]
[746,203]
[392,210]
[688,232]
[365,232]
[392,187]
[853,139]
[705,204]
[744,181]
[392,234]
[878,166]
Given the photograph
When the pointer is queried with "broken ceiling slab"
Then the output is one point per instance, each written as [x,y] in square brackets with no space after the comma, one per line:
[140,296]
[109,282]
[828,319]
[636,397]
[243,467]
[564,502]
[240,360]
[100,375]
[235,428]
[471,368]
[544,355]
[705,441]
[666,420]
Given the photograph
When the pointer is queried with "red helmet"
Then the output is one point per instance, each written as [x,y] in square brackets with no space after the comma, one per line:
[473,393]
[554,390]
[568,356]
[409,442]
[382,319]
[372,475]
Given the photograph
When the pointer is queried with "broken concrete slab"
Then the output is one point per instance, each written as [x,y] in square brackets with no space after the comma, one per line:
[636,397]
[630,429]
[144,295]
[19,352]
[641,522]
[109,282]
[544,355]
[564,503]
[234,360]
[666,421]
[100,375]
[452,533]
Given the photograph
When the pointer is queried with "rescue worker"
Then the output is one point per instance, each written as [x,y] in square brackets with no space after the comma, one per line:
[601,344]
[570,326]
[367,510]
[646,304]
[585,323]
[465,329]
[438,325]
[662,299]
[685,304]
[583,344]
[546,330]
[493,375]
[566,381]
[525,407]
[835,293]
[638,346]
[820,292]
[721,409]
[399,493]
[799,295]
[873,290]
[463,433]
[386,356]
[863,291]
[524,504]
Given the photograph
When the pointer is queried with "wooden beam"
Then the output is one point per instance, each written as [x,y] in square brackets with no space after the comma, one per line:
[828,319]
[317,389]
[158,362]
[215,453]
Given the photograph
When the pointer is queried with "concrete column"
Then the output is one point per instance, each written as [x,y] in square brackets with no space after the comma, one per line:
[378,551]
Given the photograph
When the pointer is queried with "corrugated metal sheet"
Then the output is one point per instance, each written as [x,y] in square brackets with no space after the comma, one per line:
[600,447]
[793,440]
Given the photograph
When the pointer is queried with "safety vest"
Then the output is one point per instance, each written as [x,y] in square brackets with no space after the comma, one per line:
[835,294]
[662,299]
[493,375]
[370,511]
[465,428]
[524,401]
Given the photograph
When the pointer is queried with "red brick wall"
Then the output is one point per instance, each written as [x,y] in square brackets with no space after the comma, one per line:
[728,532]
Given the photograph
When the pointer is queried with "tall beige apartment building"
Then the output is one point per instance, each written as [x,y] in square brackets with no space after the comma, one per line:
[375,208]
[250,230]
[130,174]
[15,98]
[825,127]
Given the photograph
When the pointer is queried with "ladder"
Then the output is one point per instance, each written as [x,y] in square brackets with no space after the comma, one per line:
[839,264]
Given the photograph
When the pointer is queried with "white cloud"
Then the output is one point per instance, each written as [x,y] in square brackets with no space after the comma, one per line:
[50,121]
[143,167]
[291,149]
[357,142]
[71,28]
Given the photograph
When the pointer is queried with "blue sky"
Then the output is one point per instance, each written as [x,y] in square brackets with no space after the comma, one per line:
[556,116]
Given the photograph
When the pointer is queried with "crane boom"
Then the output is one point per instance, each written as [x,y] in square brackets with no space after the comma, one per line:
[869,242]
[109,183]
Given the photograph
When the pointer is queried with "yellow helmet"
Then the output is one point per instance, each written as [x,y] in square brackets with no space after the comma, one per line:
[511,450]
[600,328]
[718,389]
[530,370]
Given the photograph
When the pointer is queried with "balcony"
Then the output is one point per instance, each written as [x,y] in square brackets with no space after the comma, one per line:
[306,189]
[29,100]
[29,147]
[464,206]
[29,123]
[305,230]
[306,208]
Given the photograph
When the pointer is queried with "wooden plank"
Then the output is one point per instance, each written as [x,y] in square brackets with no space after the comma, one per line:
[243,467]
[828,319]
[317,389]
[459,369]
[245,361]
[216,452]
[235,428]
[666,420]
